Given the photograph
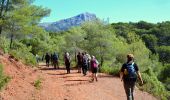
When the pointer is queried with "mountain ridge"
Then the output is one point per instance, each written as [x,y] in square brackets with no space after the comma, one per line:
[65,24]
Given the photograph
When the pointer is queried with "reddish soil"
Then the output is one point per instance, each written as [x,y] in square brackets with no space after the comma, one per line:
[57,85]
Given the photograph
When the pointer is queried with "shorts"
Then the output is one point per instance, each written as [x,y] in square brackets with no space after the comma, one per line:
[94,70]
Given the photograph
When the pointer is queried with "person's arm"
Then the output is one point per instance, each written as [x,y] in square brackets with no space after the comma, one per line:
[121,72]
[140,77]
[138,73]
[121,75]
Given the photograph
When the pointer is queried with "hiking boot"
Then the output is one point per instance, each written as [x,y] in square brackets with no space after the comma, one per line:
[91,80]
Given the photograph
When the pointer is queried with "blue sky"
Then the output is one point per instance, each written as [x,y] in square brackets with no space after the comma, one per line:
[116,10]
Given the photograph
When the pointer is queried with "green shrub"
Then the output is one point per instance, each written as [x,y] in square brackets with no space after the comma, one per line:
[110,70]
[4,44]
[165,73]
[37,83]
[167,84]
[3,79]
[21,51]
[153,85]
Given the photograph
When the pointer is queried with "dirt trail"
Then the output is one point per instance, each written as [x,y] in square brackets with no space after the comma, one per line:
[57,85]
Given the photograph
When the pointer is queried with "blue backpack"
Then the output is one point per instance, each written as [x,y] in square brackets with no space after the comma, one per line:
[131,72]
[55,57]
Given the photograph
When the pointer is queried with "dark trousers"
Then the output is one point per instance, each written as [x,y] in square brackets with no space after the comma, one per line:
[88,66]
[47,63]
[129,89]
[68,68]
[84,68]
[56,64]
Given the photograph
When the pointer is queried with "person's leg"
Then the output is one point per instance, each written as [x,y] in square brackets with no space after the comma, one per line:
[78,68]
[47,63]
[96,76]
[83,69]
[69,68]
[92,79]
[54,64]
[66,67]
[127,90]
[57,64]
[132,89]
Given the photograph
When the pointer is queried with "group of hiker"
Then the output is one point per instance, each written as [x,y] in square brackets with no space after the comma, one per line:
[53,58]
[85,62]
[129,72]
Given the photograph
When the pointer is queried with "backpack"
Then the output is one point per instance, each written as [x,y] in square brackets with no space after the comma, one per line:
[55,57]
[130,71]
[67,59]
[95,64]
[85,60]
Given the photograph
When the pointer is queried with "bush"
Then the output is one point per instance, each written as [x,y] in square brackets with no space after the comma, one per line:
[4,44]
[21,51]
[164,76]
[110,70]
[153,85]
[3,79]
[165,73]
[37,83]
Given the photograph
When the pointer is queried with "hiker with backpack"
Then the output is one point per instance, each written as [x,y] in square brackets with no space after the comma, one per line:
[84,64]
[55,60]
[47,58]
[79,62]
[88,59]
[67,61]
[94,68]
[129,74]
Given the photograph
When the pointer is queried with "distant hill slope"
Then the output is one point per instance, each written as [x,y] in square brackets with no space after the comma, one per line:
[65,24]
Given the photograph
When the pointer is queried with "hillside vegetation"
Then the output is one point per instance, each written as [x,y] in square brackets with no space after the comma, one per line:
[21,37]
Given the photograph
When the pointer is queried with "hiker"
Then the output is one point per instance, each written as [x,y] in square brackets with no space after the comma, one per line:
[89,59]
[84,64]
[67,61]
[79,62]
[94,68]
[55,60]
[129,73]
[47,58]
[52,60]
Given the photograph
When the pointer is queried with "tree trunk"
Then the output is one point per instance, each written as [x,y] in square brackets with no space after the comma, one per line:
[3,10]
[11,41]
[101,62]
[75,56]
[1,13]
